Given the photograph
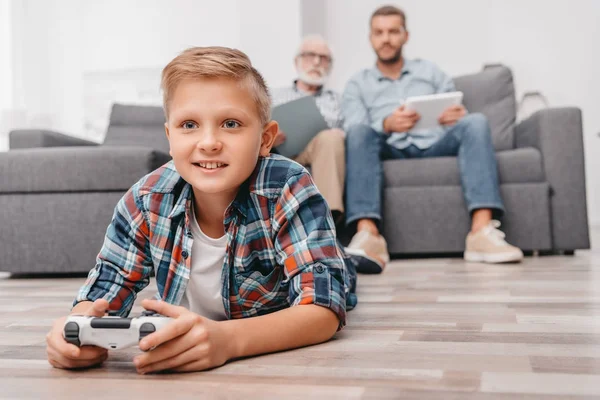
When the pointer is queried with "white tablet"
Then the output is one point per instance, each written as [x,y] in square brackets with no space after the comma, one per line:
[430,107]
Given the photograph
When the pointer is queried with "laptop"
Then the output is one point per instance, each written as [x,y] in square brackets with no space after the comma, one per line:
[300,120]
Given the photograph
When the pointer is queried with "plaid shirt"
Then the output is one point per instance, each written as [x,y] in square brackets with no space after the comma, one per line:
[281,245]
[327,101]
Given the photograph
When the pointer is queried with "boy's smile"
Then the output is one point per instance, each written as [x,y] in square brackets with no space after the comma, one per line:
[210,166]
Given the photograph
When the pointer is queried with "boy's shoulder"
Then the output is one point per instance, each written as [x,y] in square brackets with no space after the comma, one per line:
[164,179]
[273,173]
[161,190]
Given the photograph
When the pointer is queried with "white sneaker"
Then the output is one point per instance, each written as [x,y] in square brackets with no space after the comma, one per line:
[488,245]
[370,250]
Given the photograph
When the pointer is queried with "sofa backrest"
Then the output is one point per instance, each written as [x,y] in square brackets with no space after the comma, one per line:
[492,93]
[134,125]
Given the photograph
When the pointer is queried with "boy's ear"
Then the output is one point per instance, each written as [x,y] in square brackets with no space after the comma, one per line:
[168,137]
[268,137]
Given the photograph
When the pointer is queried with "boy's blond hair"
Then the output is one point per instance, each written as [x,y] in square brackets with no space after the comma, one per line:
[216,62]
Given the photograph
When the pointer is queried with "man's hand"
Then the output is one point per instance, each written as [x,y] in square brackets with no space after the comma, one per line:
[279,139]
[452,114]
[401,120]
[62,354]
[188,343]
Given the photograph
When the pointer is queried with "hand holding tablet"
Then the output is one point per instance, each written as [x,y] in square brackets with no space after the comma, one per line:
[401,120]
[431,109]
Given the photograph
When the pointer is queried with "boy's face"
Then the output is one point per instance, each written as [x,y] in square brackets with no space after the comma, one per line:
[215,134]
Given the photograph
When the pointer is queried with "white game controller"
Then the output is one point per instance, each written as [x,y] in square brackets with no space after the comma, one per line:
[112,332]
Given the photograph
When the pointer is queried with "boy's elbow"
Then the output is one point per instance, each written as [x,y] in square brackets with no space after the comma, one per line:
[330,324]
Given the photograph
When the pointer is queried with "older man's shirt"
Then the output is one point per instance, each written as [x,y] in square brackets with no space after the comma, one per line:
[327,101]
[369,97]
[281,245]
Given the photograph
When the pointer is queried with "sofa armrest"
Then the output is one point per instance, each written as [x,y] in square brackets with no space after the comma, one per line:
[76,169]
[558,134]
[33,138]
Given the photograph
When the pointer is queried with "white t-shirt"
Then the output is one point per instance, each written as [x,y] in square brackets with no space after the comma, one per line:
[203,292]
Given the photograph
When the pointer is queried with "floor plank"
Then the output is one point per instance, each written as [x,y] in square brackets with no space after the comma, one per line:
[425,329]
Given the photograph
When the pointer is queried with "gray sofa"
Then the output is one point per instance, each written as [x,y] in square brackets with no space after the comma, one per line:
[541,171]
[58,193]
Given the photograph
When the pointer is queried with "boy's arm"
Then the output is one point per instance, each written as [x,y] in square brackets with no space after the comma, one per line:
[282,330]
[208,344]
[307,248]
[124,265]
[82,307]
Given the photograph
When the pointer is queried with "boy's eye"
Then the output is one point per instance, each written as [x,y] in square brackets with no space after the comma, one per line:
[189,125]
[231,124]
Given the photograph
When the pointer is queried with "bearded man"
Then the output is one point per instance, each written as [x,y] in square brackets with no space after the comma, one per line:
[325,153]
[380,128]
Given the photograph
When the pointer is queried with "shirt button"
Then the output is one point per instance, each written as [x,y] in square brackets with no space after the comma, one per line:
[184,254]
[319,269]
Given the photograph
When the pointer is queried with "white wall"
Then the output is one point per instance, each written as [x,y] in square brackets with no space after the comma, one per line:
[127,43]
[70,55]
[550,46]
[270,33]
[47,64]
[5,59]
[149,33]
[5,72]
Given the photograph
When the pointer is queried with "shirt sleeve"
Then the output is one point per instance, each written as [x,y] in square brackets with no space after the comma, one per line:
[307,248]
[124,265]
[354,110]
[337,100]
[443,82]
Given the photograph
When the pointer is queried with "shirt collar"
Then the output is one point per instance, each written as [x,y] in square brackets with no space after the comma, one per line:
[406,69]
[295,86]
[184,202]
[239,204]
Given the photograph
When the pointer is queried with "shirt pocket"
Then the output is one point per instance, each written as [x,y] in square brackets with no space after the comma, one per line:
[260,287]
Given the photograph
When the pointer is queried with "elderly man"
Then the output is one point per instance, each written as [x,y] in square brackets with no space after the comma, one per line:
[325,153]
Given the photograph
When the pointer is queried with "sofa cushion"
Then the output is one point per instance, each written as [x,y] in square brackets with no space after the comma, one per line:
[76,169]
[514,166]
[133,125]
[492,93]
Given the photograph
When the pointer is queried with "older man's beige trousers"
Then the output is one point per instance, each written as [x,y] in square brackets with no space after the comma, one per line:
[326,156]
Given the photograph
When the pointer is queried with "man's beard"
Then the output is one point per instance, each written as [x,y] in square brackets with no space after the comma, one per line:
[305,77]
[392,60]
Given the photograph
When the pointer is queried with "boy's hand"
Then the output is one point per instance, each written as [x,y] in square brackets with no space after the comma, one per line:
[62,354]
[188,343]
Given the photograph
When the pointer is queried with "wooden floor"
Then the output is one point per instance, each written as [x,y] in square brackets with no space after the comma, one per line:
[425,329]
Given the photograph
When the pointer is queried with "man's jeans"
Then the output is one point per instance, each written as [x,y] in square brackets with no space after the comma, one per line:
[469,139]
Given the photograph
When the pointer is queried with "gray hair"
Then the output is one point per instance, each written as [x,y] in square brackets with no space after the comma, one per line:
[314,37]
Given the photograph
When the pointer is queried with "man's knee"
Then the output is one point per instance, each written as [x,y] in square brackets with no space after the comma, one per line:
[476,125]
[357,135]
[332,138]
